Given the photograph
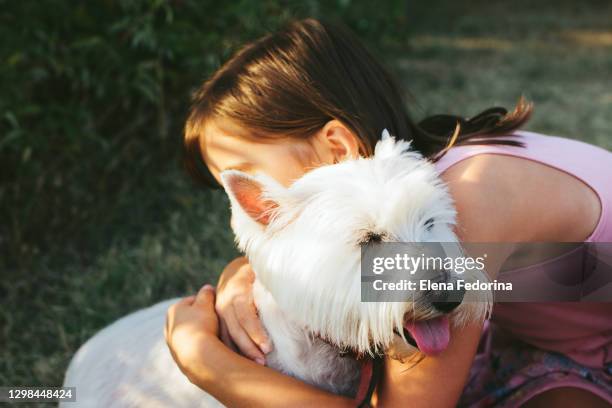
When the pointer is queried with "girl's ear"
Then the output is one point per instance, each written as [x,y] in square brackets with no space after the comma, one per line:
[247,193]
[340,140]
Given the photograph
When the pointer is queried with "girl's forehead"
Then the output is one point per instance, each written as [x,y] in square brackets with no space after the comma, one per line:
[218,144]
[225,134]
[221,135]
[219,129]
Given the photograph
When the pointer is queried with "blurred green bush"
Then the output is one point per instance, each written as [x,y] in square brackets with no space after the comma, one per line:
[93,99]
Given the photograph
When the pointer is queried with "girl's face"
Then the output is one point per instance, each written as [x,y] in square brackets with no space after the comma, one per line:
[226,145]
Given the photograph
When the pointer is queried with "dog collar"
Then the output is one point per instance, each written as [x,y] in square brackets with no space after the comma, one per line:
[370,374]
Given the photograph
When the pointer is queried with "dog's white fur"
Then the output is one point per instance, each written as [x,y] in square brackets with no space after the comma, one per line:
[304,245]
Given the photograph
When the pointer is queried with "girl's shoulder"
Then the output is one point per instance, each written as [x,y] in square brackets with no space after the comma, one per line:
[503,198]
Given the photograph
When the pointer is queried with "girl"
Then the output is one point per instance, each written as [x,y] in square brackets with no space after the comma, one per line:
[310,95]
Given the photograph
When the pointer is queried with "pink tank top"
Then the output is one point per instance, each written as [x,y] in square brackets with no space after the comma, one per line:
[582,331]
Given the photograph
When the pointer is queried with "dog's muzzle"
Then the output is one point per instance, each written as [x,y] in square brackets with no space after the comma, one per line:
[445,301]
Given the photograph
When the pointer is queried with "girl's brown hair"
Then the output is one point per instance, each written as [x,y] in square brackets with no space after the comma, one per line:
[290,83]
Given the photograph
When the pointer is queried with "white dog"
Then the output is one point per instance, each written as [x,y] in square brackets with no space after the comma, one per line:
[304,244]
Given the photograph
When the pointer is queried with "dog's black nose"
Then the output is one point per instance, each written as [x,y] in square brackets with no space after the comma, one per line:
[445,307]
[446,301]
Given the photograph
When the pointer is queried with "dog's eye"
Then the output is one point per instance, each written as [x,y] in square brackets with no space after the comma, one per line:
[429,224]
[372,237]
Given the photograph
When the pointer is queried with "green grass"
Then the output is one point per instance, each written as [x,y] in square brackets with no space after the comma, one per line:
[50,311]
[160,237]
[558,54]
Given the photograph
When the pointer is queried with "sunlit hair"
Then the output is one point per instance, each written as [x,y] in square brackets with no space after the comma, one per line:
[291,82]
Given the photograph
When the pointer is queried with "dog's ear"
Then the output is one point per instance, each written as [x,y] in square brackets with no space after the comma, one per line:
[248,193]
[389,147]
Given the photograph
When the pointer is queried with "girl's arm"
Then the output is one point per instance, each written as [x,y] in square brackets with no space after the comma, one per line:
[434,381]
[191,332]
[237,381]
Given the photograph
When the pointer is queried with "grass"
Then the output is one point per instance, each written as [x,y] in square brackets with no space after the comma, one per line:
[48,314]
[560,57]
[459,57]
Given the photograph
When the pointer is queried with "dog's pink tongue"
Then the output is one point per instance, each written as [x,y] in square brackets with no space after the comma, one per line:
[432,336]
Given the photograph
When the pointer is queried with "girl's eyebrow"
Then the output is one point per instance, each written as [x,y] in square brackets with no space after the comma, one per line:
[240,167]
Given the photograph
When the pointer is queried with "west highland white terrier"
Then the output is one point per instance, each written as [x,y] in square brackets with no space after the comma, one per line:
[304,244]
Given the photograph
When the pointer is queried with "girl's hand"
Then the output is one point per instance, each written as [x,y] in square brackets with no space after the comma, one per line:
[190,324]
[240,326]
[191,332]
